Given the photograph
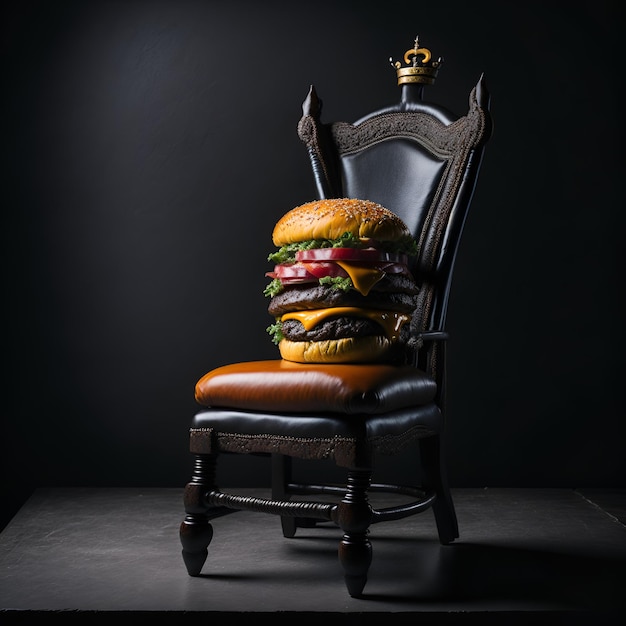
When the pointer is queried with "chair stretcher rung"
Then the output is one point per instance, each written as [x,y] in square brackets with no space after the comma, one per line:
[315,510]
[423,499]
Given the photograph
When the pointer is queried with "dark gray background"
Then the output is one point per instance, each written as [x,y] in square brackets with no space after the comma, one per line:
[149,148]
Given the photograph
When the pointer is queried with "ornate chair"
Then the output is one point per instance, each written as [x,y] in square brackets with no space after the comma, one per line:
[422,162]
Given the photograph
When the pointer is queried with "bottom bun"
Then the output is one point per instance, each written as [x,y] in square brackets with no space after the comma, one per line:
[371,349]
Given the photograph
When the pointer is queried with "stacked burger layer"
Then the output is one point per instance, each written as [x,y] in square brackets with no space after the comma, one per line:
[341,289]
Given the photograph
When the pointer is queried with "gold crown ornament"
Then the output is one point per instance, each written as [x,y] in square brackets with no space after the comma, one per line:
[421,69]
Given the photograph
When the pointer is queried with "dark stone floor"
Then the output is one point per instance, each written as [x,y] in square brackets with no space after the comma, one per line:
[97,554]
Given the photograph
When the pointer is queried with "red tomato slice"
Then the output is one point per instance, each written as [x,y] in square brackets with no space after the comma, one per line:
[292,270]
[312,271]
[324,268]
[292,281]
[293,273]
[372,255]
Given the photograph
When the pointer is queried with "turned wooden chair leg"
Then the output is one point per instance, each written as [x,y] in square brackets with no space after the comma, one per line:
[195,531]
[354,518]
[281,477]
[435,478]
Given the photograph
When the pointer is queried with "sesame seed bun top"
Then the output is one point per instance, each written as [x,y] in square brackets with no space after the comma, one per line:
[331,218]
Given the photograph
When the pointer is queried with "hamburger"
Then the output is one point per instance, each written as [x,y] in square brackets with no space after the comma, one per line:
[341,290]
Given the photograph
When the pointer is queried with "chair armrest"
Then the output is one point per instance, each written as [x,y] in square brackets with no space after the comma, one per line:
[431,335]
[422,358]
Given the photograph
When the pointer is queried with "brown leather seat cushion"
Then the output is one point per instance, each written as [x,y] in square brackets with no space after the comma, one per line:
[285,386]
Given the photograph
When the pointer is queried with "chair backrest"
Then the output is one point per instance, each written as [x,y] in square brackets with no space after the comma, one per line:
[418,160]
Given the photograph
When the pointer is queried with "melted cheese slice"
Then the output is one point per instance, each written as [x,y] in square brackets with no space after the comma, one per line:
[363,278]
[390,321]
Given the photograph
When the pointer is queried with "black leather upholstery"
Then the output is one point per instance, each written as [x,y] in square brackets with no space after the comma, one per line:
[312,435]
[416,158]
[422,162]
